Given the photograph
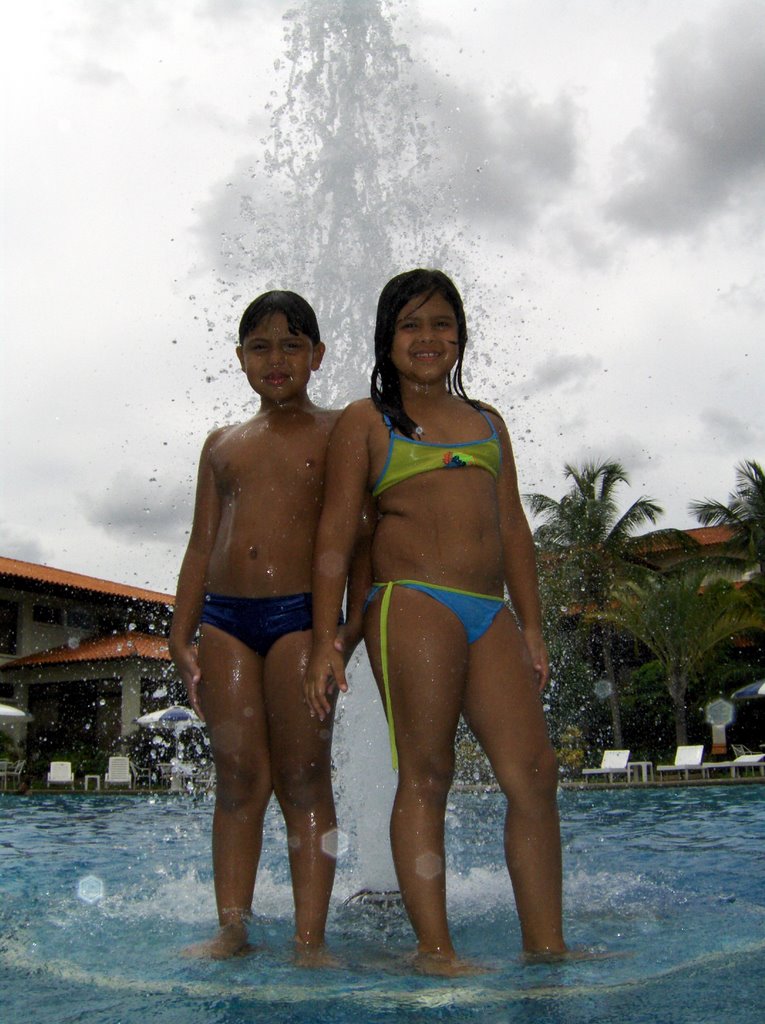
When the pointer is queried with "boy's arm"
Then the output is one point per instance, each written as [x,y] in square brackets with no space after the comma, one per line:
[520,563]
[345,483]
[191,581]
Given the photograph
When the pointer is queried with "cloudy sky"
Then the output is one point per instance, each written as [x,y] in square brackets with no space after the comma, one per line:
[591,172]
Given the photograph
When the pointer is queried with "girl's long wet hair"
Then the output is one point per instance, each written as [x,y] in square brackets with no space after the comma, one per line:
[301,318]
[400,290]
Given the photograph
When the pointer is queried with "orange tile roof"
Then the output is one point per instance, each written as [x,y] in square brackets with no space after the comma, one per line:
[99,648]
[704,536]
[710,534]
[13,567]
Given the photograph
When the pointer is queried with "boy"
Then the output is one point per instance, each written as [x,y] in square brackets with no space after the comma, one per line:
[246,577]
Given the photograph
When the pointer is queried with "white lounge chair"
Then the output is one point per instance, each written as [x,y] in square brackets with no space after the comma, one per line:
[119,772]
[755,762]
[60,774]
[613,762]
[687,759]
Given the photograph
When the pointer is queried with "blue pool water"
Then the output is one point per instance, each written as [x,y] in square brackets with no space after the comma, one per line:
[674,879]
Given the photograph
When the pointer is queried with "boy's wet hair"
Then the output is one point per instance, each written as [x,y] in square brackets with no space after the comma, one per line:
[400,290]
[301,318]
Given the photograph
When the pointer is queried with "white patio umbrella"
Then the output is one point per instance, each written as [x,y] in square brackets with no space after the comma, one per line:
[176,718]
[756,689]
[8,713]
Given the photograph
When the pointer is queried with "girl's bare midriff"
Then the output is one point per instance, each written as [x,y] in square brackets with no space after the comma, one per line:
[459,546]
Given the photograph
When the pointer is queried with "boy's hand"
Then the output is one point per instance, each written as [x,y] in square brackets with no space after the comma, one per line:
[187,663]
[538,651]
[326,670]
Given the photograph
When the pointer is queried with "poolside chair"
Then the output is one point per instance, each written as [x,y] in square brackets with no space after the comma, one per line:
[613,762]
[60,774]
[141,774]
[739,749]
[756,762]
[687,759]
[15,771]
[119,773]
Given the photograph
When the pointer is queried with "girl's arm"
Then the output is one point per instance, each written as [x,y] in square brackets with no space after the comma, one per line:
[519,555]
[345,485]
[359,580]
[191,581]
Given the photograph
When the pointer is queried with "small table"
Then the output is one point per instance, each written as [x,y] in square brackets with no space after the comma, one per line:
[92,778]
[646,770]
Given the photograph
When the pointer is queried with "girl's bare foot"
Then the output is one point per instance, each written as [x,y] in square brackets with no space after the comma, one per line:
[231,940]
[569,955]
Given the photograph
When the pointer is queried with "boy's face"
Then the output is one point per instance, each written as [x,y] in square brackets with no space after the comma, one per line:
[278,364]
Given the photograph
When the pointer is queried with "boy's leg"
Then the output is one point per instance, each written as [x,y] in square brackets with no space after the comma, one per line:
[504,709]
[427,664]
[231,695]
[301,765]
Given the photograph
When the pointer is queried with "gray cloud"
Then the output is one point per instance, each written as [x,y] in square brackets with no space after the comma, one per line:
[136,507]
[560,370]
[730,433]
[16,543]
[706,137]
[506,158]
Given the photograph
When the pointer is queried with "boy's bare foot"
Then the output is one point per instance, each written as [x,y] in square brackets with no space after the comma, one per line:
[230,941]
[314,956]
[441,965]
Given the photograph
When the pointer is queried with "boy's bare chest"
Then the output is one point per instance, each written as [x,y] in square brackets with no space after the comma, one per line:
[273,463]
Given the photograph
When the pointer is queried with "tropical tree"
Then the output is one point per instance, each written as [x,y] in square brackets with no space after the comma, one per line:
[590,546]
[744,515]
[682,619]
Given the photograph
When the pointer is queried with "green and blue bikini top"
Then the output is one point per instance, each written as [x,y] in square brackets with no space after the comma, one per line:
[408,457]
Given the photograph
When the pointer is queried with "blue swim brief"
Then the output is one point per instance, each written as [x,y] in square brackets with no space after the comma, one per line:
[258,621]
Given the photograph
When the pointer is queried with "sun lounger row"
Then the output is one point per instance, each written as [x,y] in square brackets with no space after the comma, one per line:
[120,772]
[688,760]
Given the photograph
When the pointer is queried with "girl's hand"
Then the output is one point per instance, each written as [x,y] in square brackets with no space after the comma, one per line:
[538,651]
[186,661]
[347,639]
[326,670]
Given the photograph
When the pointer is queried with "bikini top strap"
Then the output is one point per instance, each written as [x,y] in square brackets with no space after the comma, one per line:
[491,425]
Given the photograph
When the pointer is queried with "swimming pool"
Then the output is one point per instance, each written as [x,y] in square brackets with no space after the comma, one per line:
[672,878]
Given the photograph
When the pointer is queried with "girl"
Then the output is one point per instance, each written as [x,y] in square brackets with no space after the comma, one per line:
[451,534]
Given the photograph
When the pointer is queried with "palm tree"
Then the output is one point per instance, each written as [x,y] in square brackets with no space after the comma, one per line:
[744,514]
[592,545]
[681,619]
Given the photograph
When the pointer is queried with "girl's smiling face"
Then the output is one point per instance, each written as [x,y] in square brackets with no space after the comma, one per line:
[426,339]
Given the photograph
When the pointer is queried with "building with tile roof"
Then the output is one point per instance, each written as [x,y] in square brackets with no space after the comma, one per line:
[84,656]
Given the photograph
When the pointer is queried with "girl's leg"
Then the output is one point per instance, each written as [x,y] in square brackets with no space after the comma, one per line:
[300,762]
[231,695]
[427,663]
[504,709]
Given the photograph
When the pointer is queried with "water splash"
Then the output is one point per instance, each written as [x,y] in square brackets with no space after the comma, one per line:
[338,197]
